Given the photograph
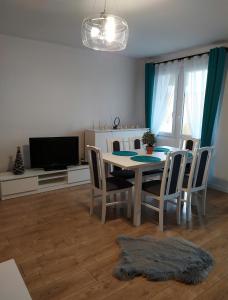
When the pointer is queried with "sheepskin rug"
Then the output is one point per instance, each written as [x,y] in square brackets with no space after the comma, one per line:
[169,258]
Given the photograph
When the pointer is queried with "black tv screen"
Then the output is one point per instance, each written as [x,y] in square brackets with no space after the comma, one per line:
[54,152]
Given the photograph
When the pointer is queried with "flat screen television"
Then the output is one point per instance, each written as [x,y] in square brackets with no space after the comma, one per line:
[54,153]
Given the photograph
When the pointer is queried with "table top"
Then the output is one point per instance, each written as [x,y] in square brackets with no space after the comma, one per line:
[126,162]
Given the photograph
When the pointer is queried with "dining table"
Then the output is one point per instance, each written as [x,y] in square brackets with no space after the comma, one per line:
[126,162]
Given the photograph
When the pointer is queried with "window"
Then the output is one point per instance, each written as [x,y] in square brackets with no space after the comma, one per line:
[163,105]
[195,78]
[167,123]
[178,101]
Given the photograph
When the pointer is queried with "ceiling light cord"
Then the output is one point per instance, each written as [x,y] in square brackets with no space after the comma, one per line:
[94,5]
[105,6]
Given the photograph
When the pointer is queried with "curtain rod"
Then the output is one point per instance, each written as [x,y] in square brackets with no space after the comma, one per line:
[188,56]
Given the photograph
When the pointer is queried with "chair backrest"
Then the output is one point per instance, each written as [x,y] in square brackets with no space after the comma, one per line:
[115,145]
[135,143]
[96,166]
[189,144]
[173,173]
[200,167]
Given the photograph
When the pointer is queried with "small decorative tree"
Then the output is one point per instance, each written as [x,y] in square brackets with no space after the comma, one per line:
[149,139]
[18,164]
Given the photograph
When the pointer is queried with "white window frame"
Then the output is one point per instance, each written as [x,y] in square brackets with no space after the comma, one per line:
[178,110]
[172,134]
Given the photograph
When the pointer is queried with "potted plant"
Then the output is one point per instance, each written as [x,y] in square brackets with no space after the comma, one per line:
[148,139]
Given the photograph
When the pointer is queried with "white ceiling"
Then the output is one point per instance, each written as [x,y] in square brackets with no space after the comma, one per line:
[156,26]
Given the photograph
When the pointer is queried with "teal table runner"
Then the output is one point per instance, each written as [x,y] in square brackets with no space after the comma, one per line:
[145,158]
[161,149]
[124,153]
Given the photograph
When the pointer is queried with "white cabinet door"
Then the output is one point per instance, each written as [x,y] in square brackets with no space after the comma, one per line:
[126,134]
[19,186]
[101,140]
[79,175]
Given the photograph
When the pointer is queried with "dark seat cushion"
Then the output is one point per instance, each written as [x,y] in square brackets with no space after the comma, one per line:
[124,174]
[153,172]
[152,187]
[114,183]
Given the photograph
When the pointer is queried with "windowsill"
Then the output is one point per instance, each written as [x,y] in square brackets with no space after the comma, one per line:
[168,135]
[171,135]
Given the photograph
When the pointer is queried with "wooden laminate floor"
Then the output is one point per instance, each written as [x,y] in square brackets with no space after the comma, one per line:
[64,254]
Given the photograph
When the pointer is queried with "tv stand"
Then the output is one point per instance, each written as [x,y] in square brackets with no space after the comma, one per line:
[55,167]
[35,181]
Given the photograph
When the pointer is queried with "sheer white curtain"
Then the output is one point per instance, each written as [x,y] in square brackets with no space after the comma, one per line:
[165,82]
[195,78]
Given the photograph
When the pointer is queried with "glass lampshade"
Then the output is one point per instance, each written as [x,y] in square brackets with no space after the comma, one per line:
[105,32]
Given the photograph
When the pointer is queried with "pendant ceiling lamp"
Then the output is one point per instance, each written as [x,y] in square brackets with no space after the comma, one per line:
[105,32]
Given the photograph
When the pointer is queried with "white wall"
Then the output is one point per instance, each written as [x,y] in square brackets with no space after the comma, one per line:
[140,92]
[52,90]
[219,168]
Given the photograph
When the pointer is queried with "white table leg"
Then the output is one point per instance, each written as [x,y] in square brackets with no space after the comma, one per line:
[107,169]
[138,191]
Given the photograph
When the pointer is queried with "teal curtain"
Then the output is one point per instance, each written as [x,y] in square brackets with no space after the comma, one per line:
[216,71]
[149,87]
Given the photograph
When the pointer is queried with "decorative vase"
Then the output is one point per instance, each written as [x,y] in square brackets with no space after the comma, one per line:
[116,123]
[18,168]
[149,149]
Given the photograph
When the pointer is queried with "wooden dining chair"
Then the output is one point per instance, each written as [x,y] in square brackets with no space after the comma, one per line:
[119,145]
[116,144]
[169,188]
[104,188]
[189,144]
[135,143]
[196,181]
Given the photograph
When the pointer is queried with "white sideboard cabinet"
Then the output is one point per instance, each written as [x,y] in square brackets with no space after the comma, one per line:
[37,181]
[100,138]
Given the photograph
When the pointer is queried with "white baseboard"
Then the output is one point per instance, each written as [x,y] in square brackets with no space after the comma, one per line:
[218,184]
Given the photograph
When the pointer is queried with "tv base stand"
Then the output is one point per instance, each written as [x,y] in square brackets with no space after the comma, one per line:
[55,168]
[37,181]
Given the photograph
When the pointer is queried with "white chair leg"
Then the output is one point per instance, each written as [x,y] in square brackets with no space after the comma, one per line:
[188,207]
[196,201]
[161,215]
[129,203]
[91,202]
[204,201]
[112,199]
[103,214]
[184,197]
[123,197]
[179,210]
[119,198]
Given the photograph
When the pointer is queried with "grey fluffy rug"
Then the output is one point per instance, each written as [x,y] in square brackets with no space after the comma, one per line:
[170,258]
